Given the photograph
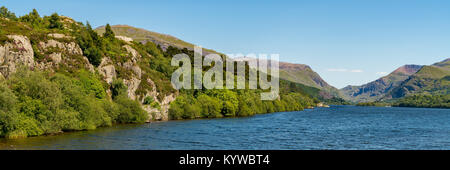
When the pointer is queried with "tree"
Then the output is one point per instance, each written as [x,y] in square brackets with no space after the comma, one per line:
[130,111]
[5,13]
[108,32]
[118,88]
[92,84]
[243,110]
[210,107]
[7,98]
[228,109]
[91,44]
[54,22]
[33,18]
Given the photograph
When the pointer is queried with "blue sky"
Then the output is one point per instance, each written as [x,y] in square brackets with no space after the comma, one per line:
[346,42]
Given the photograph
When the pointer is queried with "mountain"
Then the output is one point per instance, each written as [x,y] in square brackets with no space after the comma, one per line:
[433,79]
[303,74]
[379,88]
[144,36]
[406,81]
[298,73]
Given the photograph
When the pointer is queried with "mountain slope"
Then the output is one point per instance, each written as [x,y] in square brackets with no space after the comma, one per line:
[378,89]
[434,79]
[297,73]
[303,74]
[142,35]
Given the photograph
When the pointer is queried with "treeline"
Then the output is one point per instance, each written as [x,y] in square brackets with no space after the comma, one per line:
[193,104]
[35,103]
[228,103]
[376,104]
[336,101]
[425,101]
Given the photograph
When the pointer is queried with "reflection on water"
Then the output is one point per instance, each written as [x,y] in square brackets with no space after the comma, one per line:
[339,127]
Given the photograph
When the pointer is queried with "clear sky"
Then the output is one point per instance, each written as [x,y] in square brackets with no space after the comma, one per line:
[346,42]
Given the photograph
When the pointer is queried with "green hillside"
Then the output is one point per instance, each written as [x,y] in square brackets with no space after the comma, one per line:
[59,75]
[297,73]
[376,90]
[142,35]
[433,80]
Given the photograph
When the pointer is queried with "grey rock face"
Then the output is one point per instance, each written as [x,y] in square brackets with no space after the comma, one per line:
[15,53]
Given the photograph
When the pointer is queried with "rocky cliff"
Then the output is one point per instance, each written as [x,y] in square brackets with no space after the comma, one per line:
[60,51]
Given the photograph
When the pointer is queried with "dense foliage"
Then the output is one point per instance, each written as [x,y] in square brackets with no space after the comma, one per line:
[35,103]
[428,101]
[230,103]
[204,103]
[376,104]
[336,101]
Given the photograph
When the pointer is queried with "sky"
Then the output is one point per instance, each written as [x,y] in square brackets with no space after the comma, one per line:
[348,42]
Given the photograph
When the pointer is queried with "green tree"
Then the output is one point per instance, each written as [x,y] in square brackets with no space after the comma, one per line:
[5,13]
[91,44]
[92,84]
[33,18]
[109,33]
[54,22]
[228,109]
[7,98]
[118,88]
[210,107]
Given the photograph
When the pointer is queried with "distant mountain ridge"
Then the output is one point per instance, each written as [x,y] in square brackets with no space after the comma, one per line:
[404,81]
[303,74]
[433,79]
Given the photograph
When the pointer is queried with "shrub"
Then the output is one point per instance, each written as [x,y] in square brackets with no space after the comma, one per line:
[210,107]
[92,84]
[155,105]
[148,100]
[130,111]
[7,98]
[118,88]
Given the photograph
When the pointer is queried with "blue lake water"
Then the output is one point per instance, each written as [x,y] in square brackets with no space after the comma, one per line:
[336,128]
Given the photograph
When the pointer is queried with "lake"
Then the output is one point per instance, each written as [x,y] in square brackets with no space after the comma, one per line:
[336,128]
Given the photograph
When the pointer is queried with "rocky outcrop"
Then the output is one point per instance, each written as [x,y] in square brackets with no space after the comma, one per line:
[135,56]
[165,105]
[133,85]
[59,36]
[134,68]
[15,53]
[107,70]
[88,65]
[161,114]
[126,39]
[70,48]
[131,65]
[61,49]
[55,57]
